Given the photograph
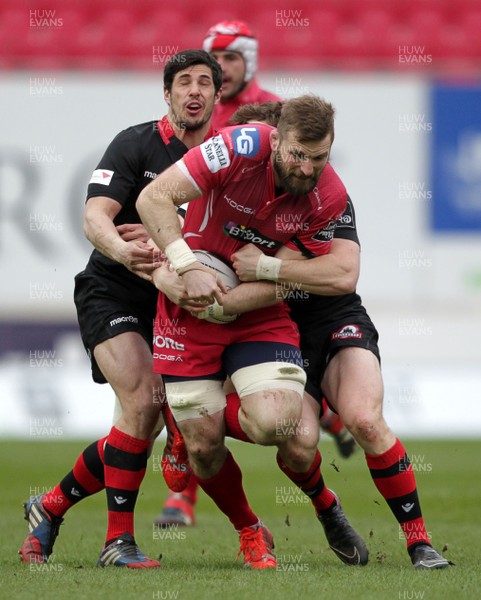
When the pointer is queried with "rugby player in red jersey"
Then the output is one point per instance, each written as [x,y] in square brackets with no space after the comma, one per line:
[338,337]
[235,46]
[240,184]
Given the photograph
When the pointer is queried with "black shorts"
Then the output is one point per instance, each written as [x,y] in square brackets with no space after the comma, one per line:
[320,340]
[109,307]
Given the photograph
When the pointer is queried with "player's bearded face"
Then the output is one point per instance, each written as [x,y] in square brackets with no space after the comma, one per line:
[298,166]
[192,98]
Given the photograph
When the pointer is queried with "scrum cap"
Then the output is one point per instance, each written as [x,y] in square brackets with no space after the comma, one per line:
[235,36]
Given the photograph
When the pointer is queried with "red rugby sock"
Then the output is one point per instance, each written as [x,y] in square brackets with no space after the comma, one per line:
[393,476]
[227,492]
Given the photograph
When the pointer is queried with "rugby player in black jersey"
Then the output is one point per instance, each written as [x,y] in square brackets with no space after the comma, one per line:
[116,304]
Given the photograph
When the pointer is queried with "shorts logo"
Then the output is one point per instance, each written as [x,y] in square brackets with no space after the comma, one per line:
[129,319]
[167,343]
[169,357]
[102,176]
[347,332]
[162,341]
[248,235]
[215,153]
[246,141]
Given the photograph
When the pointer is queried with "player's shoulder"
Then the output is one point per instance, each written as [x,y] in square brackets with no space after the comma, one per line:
[137,133]
[231,148]
[249,141]
[330,182]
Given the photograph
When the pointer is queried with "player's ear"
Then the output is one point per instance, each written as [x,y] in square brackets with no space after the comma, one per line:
[167,96]
[218,96]
[274,139]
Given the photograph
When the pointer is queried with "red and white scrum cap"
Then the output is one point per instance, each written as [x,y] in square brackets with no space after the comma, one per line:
[237,37]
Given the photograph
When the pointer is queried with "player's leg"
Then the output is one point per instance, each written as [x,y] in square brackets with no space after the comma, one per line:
[270,388]
[198,408]
[299,459]
[353,385]
[274,411]
[331,423]
[178,508]
[126,363]
[45,512]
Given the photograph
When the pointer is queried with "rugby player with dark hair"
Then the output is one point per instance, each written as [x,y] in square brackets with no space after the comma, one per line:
[115,302]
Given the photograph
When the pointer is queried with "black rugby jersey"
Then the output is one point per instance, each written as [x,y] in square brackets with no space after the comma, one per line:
[132,160]
[307,307]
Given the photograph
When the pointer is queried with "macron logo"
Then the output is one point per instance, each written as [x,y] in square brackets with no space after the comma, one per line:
[408,507]
[75,492]
[120,499]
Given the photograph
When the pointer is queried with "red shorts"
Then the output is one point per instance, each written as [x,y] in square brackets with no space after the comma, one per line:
[189,347]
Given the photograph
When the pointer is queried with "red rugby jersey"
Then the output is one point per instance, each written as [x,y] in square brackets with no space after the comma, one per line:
[239,203]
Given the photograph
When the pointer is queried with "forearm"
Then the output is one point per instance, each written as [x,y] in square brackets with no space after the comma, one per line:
[100,230]
[251,296]
[329,277]
[159,216]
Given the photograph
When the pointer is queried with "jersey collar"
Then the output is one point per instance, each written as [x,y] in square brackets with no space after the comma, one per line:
[167,132]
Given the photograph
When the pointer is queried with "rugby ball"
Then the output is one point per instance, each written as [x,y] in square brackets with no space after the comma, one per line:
[226,274]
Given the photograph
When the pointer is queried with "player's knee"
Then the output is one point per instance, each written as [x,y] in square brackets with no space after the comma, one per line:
[142,415]
[364,426]
[297,457]
[275,416]
[202,451]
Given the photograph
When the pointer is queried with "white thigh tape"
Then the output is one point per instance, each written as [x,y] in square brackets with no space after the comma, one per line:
[269,376]
[195,399]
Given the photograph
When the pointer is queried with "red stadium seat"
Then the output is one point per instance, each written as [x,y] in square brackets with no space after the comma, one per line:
[332,34]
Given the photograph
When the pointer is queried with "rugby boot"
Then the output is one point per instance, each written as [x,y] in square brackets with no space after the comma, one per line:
[343,539]
[178,510]
[256,544]
[124,552]
[43,529]
[424,556]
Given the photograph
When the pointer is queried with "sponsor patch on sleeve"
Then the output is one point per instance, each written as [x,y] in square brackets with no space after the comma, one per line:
[102,176]
[326,234]
[246,141]
[347,219]
[215,153]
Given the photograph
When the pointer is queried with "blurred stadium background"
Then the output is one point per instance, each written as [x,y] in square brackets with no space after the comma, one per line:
[405,78]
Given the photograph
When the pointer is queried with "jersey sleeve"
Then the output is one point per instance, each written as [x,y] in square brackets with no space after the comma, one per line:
[208,164]
[346,225]
[116,175]
[227,154]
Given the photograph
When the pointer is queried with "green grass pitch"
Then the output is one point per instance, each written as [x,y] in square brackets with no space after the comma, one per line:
[199,562]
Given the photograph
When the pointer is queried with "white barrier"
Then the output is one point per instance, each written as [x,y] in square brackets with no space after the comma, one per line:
[423,291]
[51,395]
